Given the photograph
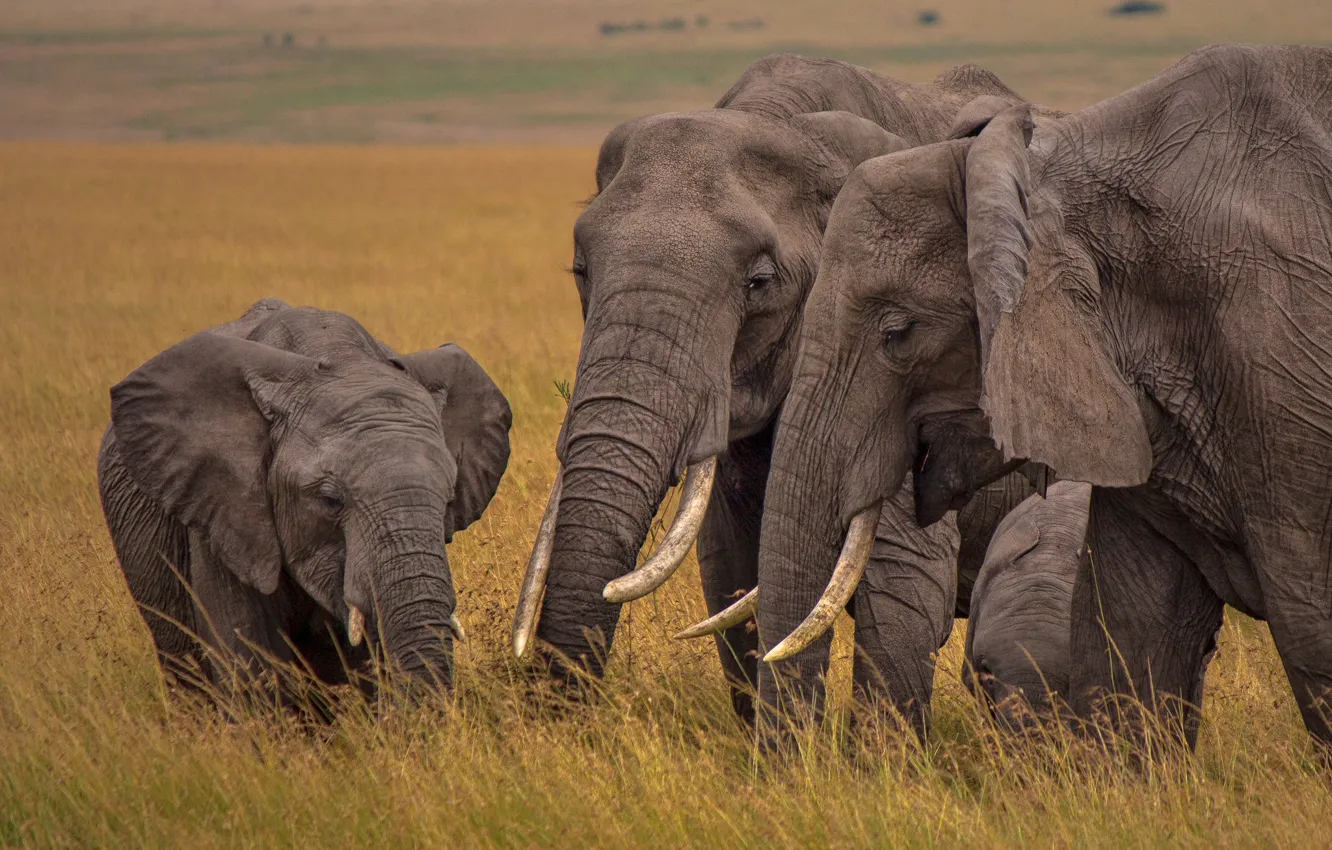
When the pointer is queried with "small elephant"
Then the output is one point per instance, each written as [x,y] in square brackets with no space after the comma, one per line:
[1018,632]
[269,480]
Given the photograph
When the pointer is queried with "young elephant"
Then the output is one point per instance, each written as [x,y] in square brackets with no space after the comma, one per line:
[271,479]
[1018,632]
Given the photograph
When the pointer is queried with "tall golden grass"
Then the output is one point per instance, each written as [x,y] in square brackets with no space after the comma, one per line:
[109,254]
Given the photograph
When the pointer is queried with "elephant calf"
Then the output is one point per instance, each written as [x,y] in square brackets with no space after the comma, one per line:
[282,486]
[1017,647]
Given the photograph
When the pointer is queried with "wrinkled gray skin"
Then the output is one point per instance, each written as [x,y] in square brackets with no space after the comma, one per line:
[1018,631]
[1140,299]
[692,263]
[285,465]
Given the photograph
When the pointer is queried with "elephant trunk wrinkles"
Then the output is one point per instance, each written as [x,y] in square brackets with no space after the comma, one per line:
[621,456]
[644,404]
[413,593]
[802,537]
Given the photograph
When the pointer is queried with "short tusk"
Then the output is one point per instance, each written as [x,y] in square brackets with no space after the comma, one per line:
[678,541]
[455,626]
[355,625]
[538,567]
[846,576]
[736,614]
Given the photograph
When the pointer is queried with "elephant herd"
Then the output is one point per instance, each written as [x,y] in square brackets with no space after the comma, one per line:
[916,351]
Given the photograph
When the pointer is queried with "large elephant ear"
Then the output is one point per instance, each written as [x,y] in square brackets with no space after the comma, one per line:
[1050,387]
[846,140]
[476,419]
[194,435]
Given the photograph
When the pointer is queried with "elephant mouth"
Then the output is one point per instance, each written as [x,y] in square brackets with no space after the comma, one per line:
[950,466]
[935,497]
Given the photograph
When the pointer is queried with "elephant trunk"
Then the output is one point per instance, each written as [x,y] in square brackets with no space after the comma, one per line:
[641,411]
[803,536]
[401,573]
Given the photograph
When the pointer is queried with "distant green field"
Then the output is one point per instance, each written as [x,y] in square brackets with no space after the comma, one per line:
[527,71]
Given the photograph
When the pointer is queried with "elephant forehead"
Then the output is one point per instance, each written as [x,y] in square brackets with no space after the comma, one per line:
[355,402]
[717,138]
[314,333]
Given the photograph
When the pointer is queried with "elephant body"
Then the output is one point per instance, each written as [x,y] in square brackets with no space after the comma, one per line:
[1018,632]
[276,486]
[692,263]
[1137,295]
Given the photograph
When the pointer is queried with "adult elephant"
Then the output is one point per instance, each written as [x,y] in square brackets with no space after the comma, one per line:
[1140,299]
[269,480]
[692,263]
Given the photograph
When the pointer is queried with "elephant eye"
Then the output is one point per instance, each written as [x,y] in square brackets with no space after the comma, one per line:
[761,274]
[895,336]
[329,500]
[579,267]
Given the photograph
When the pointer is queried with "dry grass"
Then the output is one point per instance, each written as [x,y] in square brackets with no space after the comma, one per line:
[111,253]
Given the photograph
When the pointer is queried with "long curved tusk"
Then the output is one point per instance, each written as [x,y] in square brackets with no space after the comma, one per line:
[355,625]
[736,614]
[538,567]
[678,541]
[846,576]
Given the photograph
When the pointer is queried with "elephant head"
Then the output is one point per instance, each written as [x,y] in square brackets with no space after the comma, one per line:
[692,263]
[304,452]
[909,360]
[1017,645]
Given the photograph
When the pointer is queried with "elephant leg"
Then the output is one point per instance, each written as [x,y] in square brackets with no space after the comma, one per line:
[728,547]
[1299,612]
[903,610]
[1145,623]
[242,627]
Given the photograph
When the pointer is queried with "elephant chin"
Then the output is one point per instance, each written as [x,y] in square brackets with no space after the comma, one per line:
[950,467]
[938,489]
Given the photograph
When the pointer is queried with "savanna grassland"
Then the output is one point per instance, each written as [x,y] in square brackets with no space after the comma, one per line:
[111,252]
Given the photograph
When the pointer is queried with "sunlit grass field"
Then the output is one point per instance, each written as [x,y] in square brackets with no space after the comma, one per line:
[109,254]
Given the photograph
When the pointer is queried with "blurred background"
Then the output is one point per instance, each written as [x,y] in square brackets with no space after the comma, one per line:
[546,71]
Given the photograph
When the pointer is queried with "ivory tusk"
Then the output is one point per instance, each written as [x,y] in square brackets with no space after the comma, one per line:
[355,625]
[538,567]
[678,541]
[736,614]
[846,576]
[455,626]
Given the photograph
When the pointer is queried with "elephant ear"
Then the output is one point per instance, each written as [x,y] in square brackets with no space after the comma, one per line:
[1017,535]
[193,429]
[976,115]
[476,419]
[846,140]
[1050,387]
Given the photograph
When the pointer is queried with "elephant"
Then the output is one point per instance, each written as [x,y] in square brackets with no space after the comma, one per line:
[1138,296]
[692,263]
[268,480]
[1020,615]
